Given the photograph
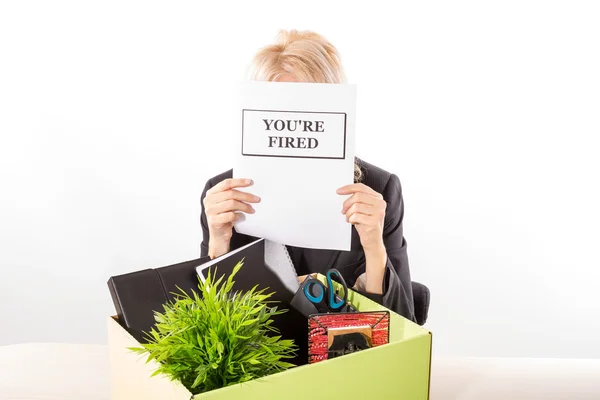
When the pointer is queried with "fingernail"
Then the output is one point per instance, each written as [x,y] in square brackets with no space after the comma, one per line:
[257,199]
[248,181]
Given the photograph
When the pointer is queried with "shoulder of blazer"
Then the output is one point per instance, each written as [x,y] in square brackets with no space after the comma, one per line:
[374,177]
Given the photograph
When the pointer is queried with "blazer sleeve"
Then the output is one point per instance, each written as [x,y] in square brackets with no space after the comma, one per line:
[204,222]
[397,285]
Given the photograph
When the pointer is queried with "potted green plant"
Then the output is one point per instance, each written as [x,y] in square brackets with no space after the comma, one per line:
[216,337]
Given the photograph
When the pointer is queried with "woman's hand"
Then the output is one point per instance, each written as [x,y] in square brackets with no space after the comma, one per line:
[222,205]
[365,209]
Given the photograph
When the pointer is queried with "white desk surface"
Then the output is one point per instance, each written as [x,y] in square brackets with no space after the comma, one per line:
[69,371]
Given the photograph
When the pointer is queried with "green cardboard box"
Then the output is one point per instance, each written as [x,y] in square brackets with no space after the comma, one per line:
[398,370]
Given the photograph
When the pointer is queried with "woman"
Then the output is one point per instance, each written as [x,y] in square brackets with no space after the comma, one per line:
[378,268]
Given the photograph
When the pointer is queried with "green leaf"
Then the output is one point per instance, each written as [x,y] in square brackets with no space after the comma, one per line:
[250,322]
[267,349]
[242,337]
[155,373]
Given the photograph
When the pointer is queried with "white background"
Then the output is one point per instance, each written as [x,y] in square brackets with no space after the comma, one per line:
[114,114]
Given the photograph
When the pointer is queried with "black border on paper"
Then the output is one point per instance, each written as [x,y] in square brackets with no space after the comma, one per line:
[343,157]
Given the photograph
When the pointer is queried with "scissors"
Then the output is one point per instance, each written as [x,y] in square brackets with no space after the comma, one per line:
[324,297]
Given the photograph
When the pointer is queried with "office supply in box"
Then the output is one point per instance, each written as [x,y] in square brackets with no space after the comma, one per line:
[324,295]
[337,334]
[270,266]
[313,297]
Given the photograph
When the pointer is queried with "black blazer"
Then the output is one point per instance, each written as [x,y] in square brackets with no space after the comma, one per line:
[397,290]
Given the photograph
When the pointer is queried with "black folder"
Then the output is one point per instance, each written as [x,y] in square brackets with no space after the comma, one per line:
[137,295]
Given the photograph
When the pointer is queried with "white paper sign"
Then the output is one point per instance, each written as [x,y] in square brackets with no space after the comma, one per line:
[296,142]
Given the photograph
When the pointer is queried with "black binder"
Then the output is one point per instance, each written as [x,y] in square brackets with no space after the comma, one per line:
[137,295]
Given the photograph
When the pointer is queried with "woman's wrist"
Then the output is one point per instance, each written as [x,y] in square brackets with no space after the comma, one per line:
[376,248]
[376,261]
[217,248]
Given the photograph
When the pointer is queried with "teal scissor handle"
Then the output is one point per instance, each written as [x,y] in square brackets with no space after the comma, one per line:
[321,291]
[333,304]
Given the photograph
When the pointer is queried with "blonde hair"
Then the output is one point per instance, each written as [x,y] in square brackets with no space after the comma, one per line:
[304,55]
